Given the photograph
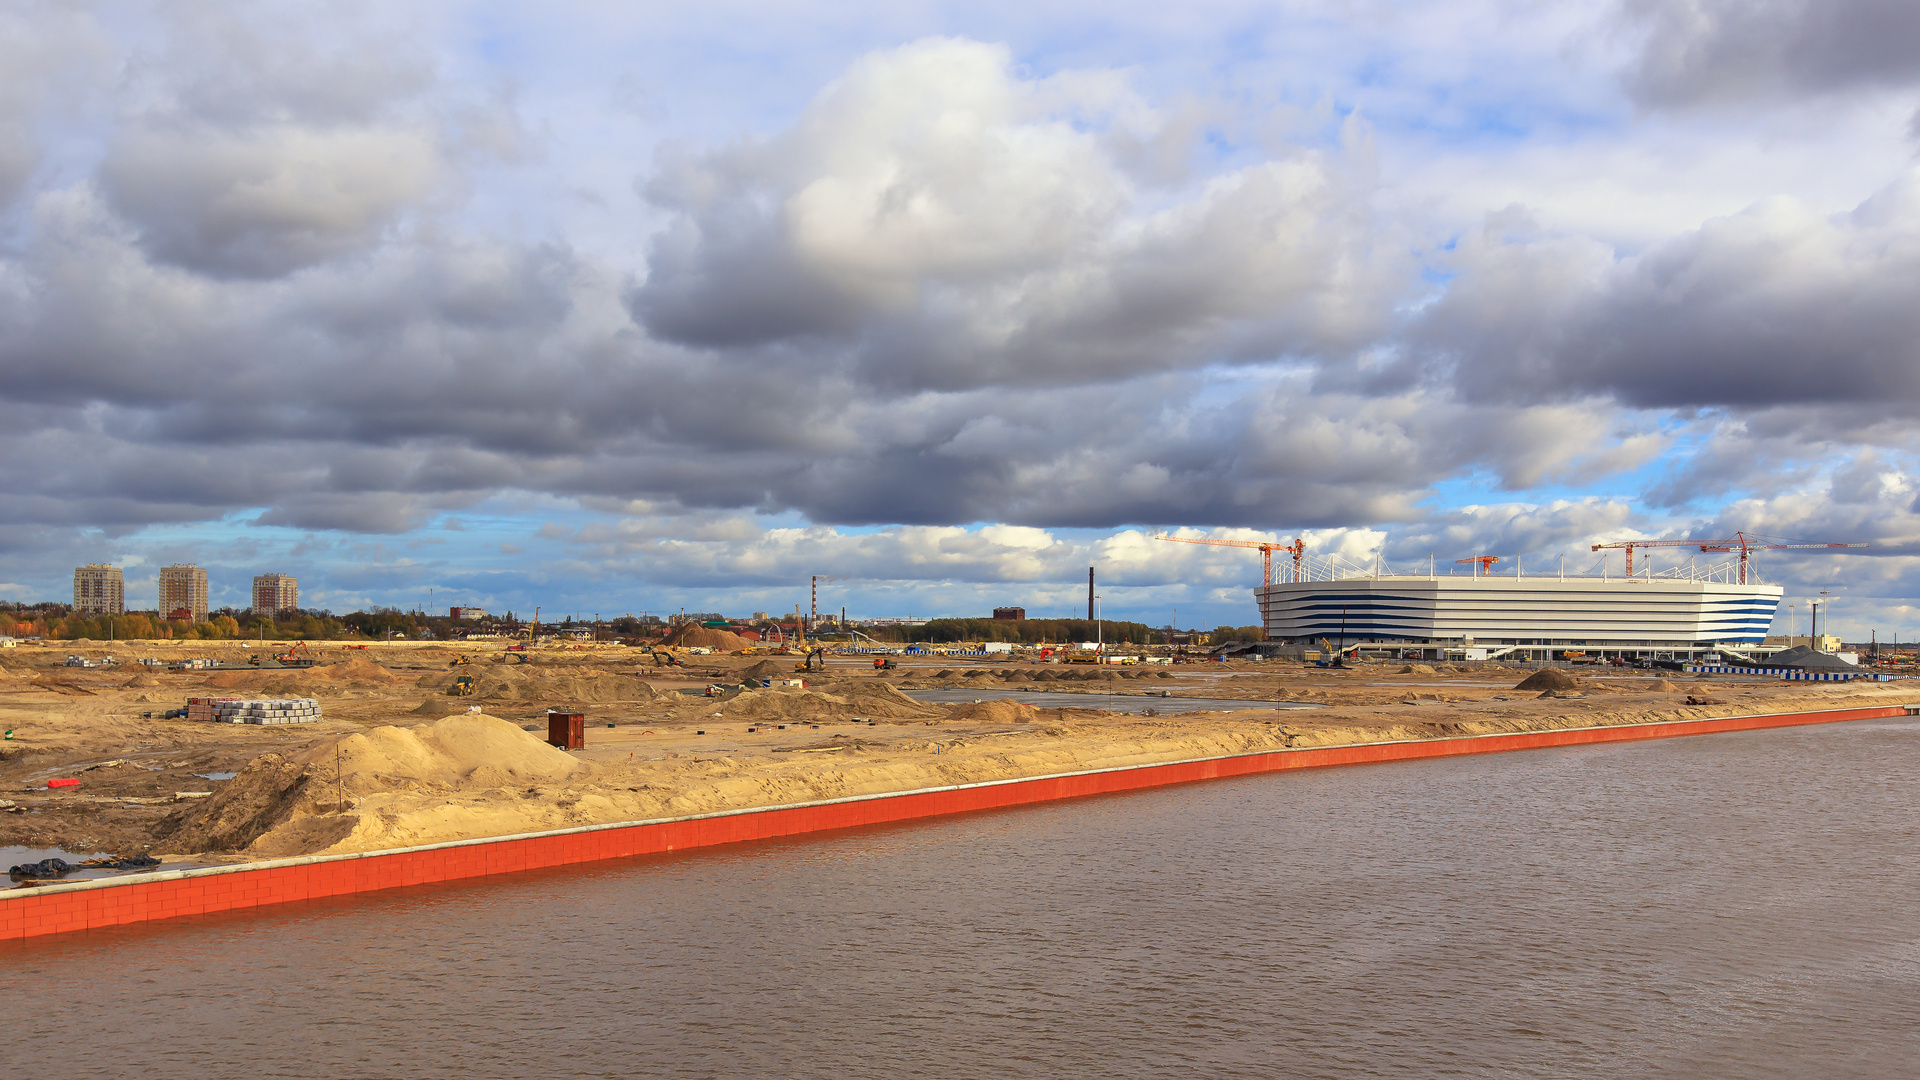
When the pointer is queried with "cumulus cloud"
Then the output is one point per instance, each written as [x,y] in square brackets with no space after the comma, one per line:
[1720,51]
[934,220]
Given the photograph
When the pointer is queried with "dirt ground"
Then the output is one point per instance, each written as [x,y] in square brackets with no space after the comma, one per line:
[398,761]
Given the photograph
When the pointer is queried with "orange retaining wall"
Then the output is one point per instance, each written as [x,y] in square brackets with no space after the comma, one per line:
[82,905]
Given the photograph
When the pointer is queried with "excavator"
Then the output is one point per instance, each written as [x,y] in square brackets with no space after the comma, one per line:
[461,661]
[667,659]
[1334,659]
[816,661]
[462,687]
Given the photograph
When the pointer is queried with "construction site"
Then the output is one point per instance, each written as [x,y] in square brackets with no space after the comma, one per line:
[363,748]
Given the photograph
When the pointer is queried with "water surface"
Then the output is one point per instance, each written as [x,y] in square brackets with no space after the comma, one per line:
[1720,906]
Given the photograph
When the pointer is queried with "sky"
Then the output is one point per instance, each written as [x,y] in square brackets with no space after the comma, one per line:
[640,307]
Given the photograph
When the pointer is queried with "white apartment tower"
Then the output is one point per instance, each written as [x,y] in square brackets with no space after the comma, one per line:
[275,593]
[98,589]
[183,592]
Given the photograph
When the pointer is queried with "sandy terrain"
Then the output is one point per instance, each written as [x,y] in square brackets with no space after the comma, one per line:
[398,762]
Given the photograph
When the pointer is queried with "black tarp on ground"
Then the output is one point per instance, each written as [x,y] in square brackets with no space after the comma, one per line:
[1800,658]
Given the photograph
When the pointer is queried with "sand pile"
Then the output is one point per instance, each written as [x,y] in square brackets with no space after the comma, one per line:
[693,635]
[864,698]
[271,806]
[770,669]
[357,670]
[1001,711]
[142,681]
[581,686]
[1665,686]
[1045,676]
[1417,669]
[1549,679]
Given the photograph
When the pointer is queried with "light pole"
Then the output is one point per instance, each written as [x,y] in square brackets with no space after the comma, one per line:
[1828,604]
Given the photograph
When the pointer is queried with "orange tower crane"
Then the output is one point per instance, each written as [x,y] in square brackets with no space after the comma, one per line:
[1297,549]
[1484,562]
[1631,544]
[1739,542]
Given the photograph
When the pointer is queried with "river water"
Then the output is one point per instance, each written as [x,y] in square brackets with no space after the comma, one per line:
[1721,906]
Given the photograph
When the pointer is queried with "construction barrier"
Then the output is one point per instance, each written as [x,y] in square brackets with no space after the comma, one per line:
[1792,673]
[145,897]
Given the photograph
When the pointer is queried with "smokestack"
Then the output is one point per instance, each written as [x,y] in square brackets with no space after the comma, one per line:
[1089,594]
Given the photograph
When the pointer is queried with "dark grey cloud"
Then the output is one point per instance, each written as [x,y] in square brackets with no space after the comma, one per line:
[1776,306]
[1718,51]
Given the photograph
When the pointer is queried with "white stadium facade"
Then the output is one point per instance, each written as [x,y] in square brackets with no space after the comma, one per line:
[1678,615]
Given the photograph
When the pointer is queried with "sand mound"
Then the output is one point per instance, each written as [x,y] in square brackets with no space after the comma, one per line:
[977,674]
[693,635]
[1665,686]
[581,686]
[142,681]
[769,669]
[1044,676]
[1001,711]
[355,669]
[436,707]
[1417,669]
[842,700]
[275,794]
[1549,679]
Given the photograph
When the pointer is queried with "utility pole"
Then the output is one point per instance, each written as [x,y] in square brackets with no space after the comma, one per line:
[1091,614]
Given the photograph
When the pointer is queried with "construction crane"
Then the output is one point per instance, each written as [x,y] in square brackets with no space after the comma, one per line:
[1742,543]
[1297,549]
[1629,545]
[1482,563]
[1739,542]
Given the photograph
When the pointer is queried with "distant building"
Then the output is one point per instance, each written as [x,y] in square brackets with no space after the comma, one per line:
[275,593]
[1009,614]
[466,613]
[1823,643]
[98,589]
[183,592]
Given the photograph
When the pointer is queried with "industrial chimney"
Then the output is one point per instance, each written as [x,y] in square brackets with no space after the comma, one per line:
[1089,594]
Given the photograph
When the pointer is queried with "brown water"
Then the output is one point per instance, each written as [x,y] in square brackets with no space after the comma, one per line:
[1721,906]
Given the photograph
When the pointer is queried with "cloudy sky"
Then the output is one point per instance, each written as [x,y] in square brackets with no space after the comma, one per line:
[635,307]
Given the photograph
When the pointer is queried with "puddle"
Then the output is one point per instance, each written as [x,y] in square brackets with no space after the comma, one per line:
[216,775]
[1115,702]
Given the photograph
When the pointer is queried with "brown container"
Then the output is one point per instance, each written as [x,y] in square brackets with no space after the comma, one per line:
[567,730]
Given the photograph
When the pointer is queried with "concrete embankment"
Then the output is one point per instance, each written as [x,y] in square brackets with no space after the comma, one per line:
[60,908]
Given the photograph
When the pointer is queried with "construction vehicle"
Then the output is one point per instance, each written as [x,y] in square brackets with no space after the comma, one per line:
[292,656]
[883,663]
[362,648]
[461,661]
[667,659]
[462,687]
[816,661]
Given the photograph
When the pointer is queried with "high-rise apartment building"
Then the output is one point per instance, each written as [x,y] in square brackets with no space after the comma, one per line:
[98,589]
[183,592]
[275,593]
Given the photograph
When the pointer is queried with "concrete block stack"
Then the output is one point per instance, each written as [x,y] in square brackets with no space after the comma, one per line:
[264,711]
[201,708]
